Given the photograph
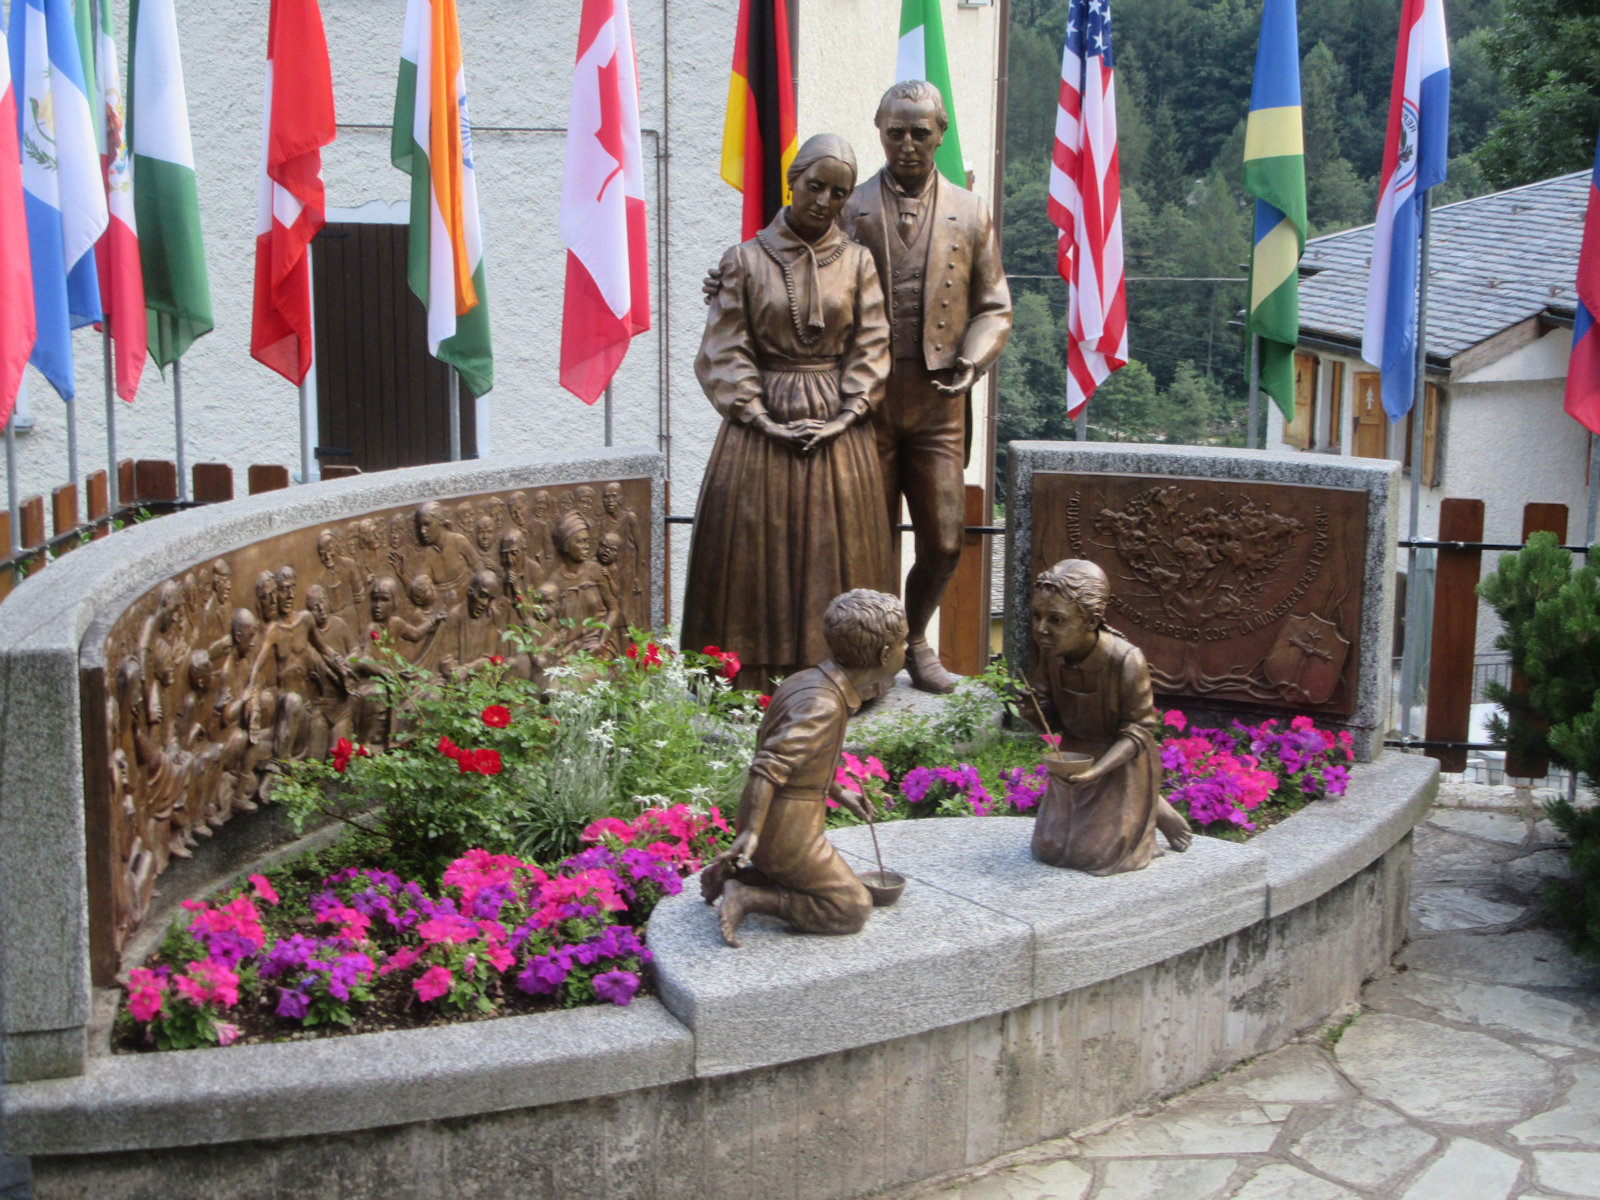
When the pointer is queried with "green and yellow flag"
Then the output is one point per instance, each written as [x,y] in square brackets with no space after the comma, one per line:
[1275,173]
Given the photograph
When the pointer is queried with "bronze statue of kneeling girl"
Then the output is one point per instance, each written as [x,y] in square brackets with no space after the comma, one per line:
[1093,688]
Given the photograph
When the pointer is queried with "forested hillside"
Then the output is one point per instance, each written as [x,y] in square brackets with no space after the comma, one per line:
[1524,106]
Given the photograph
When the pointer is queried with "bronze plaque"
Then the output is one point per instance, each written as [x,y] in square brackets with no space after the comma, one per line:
[267,653]
[1238,591]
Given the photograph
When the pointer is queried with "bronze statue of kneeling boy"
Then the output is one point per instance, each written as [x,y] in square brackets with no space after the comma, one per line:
[781,862]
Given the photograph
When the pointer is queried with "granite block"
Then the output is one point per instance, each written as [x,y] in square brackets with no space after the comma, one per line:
[44,974]
[1327,842]
[933,959]
[1378,478]
[1086,928]
[138,1101]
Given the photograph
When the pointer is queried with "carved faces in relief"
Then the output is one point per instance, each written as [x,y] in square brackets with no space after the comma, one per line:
[266,597]
[485,534]
[326,548]
[610,549]
[382,602]
[430,523]
[317,604]
[480,593]
[221,581]
[573,540]
[611,498]
[288,582]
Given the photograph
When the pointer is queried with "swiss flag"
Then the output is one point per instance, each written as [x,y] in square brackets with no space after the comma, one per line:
[298,121]
[602,205]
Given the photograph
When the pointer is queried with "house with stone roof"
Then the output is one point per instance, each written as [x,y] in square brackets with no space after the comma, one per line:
[1501,297]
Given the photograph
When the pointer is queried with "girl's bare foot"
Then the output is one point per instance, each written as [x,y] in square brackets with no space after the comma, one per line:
[1172,826]
[732,911]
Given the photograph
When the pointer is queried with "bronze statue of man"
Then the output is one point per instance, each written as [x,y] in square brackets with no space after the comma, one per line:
[950,315]
[949,318]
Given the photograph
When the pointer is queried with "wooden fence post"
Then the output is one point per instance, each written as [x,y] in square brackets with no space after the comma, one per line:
[99,503]
[1455,632]
[213,483]
[33,531]
[64,513]
[1536,518]
[964,612]
[267,477]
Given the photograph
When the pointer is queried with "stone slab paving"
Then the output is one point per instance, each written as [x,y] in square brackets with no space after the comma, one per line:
[1470,1072]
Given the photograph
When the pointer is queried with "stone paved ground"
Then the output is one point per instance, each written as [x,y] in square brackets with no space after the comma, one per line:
[1471,1072]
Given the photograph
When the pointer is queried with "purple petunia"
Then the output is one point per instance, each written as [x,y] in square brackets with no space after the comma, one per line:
[616,986]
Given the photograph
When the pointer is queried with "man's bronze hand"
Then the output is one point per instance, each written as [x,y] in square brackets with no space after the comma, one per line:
[711,284]
[966,374]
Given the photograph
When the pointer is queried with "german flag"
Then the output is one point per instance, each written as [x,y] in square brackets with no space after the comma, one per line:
[758,134]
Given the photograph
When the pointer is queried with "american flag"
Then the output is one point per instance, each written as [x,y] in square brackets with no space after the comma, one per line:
[1086,203]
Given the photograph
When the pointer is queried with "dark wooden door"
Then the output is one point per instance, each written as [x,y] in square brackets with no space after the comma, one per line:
[382,399]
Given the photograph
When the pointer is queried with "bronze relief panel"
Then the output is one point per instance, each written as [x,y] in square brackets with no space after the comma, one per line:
[267,652]
[1237,591]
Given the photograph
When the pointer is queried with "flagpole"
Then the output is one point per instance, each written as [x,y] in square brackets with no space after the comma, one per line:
[112,499]
[177,410]
[307,386]
[1253,427]
[72,441]
[1419,417]
[1594,489]
[608,412]
[13,502]
[455,416]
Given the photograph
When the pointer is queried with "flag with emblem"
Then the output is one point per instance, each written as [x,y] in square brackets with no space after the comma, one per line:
[64,196]
[1414,159]
[117,253]
[1085,204]
[921,55]
[602,205]
[16,273]
[1583,370]
[432,142]
[166,200]
[1275,173]
[758,131]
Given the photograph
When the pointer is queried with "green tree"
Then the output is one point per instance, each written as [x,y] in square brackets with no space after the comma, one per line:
[1548,55]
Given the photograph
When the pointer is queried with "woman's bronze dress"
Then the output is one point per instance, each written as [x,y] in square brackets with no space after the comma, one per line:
[796,330]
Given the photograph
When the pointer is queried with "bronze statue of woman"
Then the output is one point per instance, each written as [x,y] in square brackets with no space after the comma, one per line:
[794,357]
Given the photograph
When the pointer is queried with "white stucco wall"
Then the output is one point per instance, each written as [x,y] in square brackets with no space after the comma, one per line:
[519,71]
[1504,439]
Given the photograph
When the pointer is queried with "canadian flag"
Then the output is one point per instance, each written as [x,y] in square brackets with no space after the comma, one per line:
[17,330]
[298,121]
[602,205]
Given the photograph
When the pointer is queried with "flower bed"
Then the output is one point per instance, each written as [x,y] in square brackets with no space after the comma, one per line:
[367,950]
[439,909]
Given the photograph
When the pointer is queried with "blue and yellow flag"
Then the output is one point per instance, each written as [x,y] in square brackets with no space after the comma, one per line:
[1275,173]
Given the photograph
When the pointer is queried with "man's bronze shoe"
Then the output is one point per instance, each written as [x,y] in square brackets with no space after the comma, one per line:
[928,674]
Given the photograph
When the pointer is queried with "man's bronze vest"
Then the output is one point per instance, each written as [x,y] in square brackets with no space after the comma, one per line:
[908,266]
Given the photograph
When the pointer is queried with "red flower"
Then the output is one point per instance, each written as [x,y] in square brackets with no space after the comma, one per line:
[343,751]
[497,660]
[486,762]
[373,634]
[632,652]
[713,651]
[448,748]
[730,665]
[763,701]
[497,716]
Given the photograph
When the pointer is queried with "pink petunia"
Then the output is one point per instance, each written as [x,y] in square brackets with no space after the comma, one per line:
[435,982]
[227,1033]
[1176,720]
[400,960]
[263,888]
[145,988]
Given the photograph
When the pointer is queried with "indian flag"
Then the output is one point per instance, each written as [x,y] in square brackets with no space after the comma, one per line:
[922,56]
[1275,173]
[432,142]
[166,204]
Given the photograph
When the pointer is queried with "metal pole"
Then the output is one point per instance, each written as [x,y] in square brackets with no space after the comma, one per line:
[1419,418]
[112,499]
[308,390]
[455,416]
[1594,488]
[608,412]
[72,441]
[177,409]
[1080,424]
[1252,434]
[12,501]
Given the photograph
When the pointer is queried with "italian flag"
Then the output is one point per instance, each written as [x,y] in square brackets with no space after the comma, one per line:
[117,253]
[922,56]
[177,294]
[432,142]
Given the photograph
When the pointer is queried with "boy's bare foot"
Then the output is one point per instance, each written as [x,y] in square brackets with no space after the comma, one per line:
[712,880]
[734,907]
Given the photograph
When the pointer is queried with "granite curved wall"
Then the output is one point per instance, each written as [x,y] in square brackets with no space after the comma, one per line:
[999,1004]
[147,680]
